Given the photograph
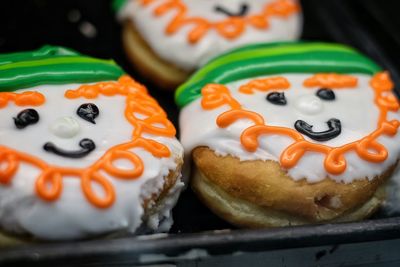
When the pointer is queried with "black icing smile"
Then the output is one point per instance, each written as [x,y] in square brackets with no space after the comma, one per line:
[244,8]
[334,125]
[86,144]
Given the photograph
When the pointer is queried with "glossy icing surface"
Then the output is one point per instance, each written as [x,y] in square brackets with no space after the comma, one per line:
[276,58]
[188,33]
[355,105]
[53,65]
[71,206]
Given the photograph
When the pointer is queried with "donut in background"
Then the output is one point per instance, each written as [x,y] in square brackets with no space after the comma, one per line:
[166,40]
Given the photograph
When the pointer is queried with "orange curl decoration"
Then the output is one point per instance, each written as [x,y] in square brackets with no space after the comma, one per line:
[230,28]
[49,184]
[22,99]
[266,84]
[368,148]
[331,80]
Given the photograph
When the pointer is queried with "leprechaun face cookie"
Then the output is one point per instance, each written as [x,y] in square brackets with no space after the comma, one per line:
[186,33]
[63,130]
[326,116]
[91,157]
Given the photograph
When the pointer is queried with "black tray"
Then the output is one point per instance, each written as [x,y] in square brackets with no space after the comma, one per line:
[198,237]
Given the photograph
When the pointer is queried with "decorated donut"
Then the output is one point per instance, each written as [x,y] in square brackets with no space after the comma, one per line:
[84,150]
[290,133]
[168,39]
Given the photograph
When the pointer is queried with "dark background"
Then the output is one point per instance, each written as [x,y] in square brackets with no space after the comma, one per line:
[90,27]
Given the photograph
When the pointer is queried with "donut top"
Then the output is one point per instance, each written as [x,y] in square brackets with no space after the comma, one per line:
[82,145]
[187,33]
[320,110]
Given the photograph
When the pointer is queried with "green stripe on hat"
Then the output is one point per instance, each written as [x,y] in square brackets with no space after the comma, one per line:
[44,51]
[53,65]
[260,50]
[276,58]
[118,4]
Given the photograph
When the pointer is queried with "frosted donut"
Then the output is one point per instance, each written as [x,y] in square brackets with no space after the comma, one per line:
[167,40]
[85,151]
[290,133]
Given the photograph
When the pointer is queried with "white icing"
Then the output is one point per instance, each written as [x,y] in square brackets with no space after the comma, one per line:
[177,50]
[65,127]
[309,105]
[354,107]
[72,216]
[161,221]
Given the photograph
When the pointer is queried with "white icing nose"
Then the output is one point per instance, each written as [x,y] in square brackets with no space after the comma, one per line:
[309,104]
[65,127]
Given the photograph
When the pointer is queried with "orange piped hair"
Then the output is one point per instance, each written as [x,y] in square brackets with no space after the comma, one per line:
[331,80]
[368,148]
[49,184]
[229,28]
[22,99]
[265,84]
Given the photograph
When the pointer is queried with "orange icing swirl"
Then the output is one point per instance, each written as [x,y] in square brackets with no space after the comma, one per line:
[22,99]
[331,80]
[367,148]
[49,184]
[229,28]
[266,84]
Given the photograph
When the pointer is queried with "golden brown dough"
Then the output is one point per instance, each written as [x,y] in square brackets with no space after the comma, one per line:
[261,194]
[160,72]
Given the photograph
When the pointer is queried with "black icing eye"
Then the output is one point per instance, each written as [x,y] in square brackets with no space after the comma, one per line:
[88,112]
[25,118]
[326,94]
[244,8]
[277,98]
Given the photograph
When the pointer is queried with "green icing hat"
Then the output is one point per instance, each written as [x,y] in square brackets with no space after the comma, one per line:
[274,58]
[118,4]
[53,65]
